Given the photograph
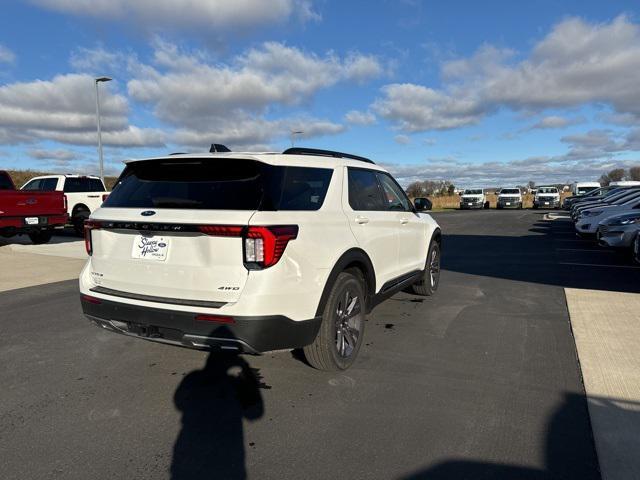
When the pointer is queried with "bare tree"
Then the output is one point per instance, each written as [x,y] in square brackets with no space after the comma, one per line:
[634,173]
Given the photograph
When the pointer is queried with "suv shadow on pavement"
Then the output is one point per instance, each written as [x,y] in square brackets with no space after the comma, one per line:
[569,450]
[551,254]
[214,402]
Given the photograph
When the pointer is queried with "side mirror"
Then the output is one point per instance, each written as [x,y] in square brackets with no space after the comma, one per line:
[422,204]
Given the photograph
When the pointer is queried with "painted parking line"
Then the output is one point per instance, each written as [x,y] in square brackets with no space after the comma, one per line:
[599,265]
[584,250]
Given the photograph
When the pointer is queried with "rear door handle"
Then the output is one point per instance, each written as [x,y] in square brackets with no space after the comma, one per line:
[404,221]
[361,220]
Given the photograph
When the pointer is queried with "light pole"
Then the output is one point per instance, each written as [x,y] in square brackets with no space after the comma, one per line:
[97,81]
[293,134]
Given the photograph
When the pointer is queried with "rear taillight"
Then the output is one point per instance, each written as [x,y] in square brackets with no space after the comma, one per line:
[66,205]
[263,246]
[105,196]
[89,226]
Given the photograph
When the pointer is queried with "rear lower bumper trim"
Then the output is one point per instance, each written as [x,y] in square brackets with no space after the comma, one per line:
[246,334]
[151,298]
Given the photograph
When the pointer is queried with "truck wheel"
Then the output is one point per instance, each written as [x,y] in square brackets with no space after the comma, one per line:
[431,276]
[342,330]
[43,236]
[78,221]
[487,205]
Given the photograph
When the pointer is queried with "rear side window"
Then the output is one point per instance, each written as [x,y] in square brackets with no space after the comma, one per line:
[5,182]
[219,184]
[48,184]
[32,185]
[96,185]
[364,190]
[76,184]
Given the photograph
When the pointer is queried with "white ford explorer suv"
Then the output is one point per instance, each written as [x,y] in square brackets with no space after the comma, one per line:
[84,194]
[255,252]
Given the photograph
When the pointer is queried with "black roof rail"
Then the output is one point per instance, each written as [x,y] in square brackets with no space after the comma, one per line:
[323,153]
[217,147]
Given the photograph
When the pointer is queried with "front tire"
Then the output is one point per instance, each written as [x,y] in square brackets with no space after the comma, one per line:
[431,276]
[43,236]
[342,330]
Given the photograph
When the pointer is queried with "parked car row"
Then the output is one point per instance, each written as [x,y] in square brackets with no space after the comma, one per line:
[545,197]
[611,216]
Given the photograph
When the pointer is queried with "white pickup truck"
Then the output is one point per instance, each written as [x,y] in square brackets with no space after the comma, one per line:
[547,197]
[84,194]
[473,198]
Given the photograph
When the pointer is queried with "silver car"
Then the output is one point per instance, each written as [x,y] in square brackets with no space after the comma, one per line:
[619,231]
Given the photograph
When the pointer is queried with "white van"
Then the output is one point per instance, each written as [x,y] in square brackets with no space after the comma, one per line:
[581,188]
[625,183]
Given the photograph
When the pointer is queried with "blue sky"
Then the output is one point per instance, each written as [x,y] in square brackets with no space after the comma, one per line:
[480,93]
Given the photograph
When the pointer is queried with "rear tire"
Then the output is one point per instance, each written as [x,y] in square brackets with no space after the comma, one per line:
[43,236]
[428,285]
[342,329]
[78,221]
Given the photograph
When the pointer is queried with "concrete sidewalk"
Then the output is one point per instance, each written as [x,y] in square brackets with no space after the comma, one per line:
[25,265]
[606,326]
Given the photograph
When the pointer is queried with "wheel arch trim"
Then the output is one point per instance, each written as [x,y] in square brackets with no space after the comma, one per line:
[352,257]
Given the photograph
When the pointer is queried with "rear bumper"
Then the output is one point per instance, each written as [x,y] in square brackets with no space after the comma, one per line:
[19,225]
[245,334]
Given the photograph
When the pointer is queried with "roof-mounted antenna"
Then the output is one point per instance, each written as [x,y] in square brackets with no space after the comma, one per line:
[218,147]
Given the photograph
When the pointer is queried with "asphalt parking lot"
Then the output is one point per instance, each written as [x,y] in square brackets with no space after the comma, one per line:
[480,381]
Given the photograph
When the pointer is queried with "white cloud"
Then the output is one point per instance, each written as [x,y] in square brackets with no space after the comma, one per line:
[577,63]
[6,55]
[41,154]
[402,139]
[63,109]
[186,90]
[356,117]
[554,121]
[207,101]
[517,172]
[213,15]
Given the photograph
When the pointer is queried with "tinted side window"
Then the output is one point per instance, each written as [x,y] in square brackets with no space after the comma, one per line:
[96,185]
[76,184]
[394,197]
[364,191]
[32,185]
[48,184]
[5,183]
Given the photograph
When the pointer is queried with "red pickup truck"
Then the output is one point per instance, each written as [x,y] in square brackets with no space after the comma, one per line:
[33,213]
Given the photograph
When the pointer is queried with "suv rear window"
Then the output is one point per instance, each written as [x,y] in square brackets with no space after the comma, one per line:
[219,184]
[5,183]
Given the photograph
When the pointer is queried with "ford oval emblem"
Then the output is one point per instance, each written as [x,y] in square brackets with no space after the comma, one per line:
[31,201]
[162,244]
[148,213]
